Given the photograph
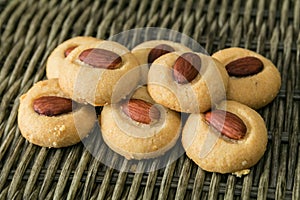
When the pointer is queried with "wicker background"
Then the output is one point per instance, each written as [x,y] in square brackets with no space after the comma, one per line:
[30,30]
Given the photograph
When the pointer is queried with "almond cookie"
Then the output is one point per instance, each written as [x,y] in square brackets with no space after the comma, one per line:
[59,54]
[91,72]
[253,79]
[187,82]
[138,128]
[49,118]
[149,51]
[229,139]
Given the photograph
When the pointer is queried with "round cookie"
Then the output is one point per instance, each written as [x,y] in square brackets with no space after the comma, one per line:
[138,130]
[225,153]
[196,95]
[256,90]
[148,51]
[91,72]
[48,118]
[59,54]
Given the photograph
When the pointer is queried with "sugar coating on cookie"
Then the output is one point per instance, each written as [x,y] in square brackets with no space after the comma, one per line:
[93,70]
[215,152]
[142,51]
[198,95]
[139,139]
[53,129]
[58,55]
[256,90]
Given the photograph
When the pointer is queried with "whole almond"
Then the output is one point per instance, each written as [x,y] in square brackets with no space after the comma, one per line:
[52,105]
[227,124]
[245,66]
[101,58]
[158,51]
[140,111]
[68,51]
[186,68]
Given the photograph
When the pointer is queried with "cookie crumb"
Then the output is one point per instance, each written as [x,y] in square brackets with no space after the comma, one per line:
[244,163]
[154,147]
[133,168]
[241,173]
[62,128]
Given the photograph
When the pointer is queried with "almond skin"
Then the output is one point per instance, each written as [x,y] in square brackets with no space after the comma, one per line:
[158,51]
[101,58]
[52,105]
[68,51]
[140,111]
[186,68]
[227,124]
[245,66]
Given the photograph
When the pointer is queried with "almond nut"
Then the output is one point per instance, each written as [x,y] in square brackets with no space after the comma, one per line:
[52,105]
[186,67]
[140,111]
[101,58]
[68,51]
[245,66]
[227,124]
[158,51]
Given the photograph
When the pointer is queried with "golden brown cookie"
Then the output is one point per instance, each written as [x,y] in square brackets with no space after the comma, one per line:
[47,117]
[91,72]
[139,128]
[230,144]
[149,51]
[253,79]
[187,82]
[56,58]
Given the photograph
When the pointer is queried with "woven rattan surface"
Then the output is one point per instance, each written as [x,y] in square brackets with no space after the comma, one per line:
[30,30]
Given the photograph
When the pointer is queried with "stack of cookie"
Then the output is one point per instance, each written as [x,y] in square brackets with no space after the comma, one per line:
[223,132]
[242,135]
[81,73]
[143,92]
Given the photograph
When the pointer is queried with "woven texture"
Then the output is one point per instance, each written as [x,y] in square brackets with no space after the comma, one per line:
[30,30]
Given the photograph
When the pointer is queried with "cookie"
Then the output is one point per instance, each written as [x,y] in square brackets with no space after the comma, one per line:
[149,51]
[253,79]
[56,58]
[138,128]
[48,118]
[91,72]
[230,144]
[187,82]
